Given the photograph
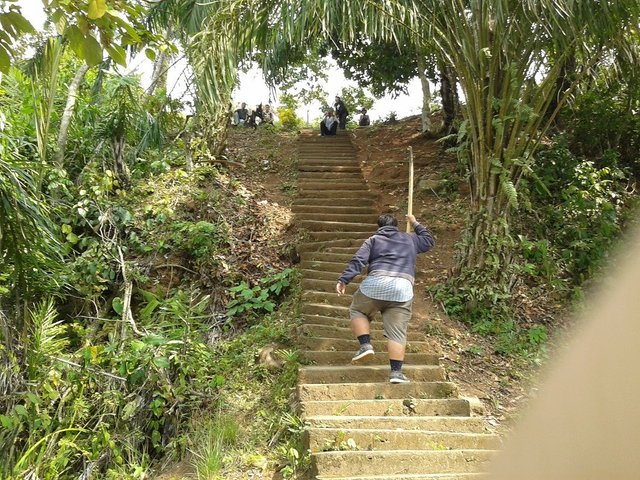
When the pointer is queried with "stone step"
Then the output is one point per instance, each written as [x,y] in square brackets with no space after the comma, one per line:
[465,424]
[313,136]
[350,218]
[337,249]
[331,298]
[434,476]
[325,142]
[320,167]
[352,197]
[325,310]
[375,391]
[312,282]
[345,345]
[336,178]
[328,257]
[320,147]
[326,245]
[332,439]
[328,154]
[345,322]
[326,150]
[332,161]
[341,210]
[331,176]
[310,276]
[366,373]
[380,358]
[317,265]
[334,144]
[354,186]
[340,179]
[397,407]
[333,202]
[337,158]
[322,236]
[326,331]
[400,462]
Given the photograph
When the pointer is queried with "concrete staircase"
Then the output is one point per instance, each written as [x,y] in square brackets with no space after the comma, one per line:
[361,427]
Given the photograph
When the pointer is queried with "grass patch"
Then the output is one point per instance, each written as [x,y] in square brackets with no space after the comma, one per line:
[254,428]
[212,439]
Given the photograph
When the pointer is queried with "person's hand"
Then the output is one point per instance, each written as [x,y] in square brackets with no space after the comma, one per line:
[340,288]
[412,220]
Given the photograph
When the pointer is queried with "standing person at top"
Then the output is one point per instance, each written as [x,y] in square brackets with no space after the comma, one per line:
[364,118]
[241,115]
[388,287]
[341,112]
[329,124]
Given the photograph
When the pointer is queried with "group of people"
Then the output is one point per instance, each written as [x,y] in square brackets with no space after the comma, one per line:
[334,118]
[253,118]
[337,117]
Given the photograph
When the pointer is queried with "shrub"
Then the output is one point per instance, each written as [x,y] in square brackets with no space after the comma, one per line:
[578,214]
[604,121]
[261,298]
[288,118]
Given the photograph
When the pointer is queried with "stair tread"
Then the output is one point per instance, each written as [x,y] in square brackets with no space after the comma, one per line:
[417,476]
[404,430]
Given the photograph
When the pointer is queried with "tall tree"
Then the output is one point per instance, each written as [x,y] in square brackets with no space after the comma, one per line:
[387,66]
[65,122]
[192,21]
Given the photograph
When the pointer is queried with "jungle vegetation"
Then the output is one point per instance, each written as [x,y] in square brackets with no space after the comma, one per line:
[106,365]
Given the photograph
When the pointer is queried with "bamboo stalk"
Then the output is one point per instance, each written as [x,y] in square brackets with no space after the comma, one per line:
[410,202]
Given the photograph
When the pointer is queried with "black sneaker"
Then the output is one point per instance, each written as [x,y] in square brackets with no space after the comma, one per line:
[398,377]
[365,351]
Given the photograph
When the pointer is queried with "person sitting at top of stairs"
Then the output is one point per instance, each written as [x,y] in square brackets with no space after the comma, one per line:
[241,115]
[364,118]
[388,287]
[329,124]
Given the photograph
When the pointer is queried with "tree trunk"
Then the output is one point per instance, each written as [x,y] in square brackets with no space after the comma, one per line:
[160,68]
[117,146]
[449,94]
[214,129]
[565,79]
[188,156]
[68,113]
[484,273]
[427,127]
[159,75]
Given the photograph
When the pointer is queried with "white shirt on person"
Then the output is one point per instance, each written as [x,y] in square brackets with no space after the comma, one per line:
[328,121]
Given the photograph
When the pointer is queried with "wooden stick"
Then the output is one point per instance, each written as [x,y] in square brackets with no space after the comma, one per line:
[410,202]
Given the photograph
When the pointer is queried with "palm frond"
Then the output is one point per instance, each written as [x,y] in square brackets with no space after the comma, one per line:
[27,242]
[46,338]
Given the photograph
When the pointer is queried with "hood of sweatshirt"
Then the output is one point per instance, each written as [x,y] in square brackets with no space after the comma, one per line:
[387,231]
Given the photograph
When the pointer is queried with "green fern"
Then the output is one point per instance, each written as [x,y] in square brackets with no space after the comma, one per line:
[509,189]
[46,338]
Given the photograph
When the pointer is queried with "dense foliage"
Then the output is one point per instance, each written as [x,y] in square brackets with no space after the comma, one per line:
[136,289]
[117,265]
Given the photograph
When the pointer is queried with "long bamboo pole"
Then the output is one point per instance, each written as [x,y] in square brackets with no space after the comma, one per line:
[410,202]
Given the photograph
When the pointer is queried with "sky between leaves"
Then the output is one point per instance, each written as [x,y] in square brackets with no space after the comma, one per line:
[252,88]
